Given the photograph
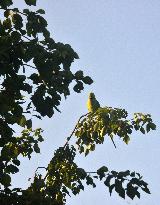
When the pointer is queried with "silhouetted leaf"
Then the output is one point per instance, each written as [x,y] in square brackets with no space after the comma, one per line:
[111,188]
[152,126]
[16,162]
[36,148]
[146,190]
[102,171]
[108,179]
[11,169]
[31,2]
[5,180]
[40,11]
[142,130]
[87,80]
[119,189]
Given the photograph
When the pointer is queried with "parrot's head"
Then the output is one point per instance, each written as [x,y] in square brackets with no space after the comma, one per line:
[91,95]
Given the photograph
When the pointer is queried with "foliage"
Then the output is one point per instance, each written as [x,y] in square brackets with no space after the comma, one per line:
[35,92]
[92,129]
[35,74]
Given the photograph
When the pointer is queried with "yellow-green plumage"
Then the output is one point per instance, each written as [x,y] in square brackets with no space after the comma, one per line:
[92,103]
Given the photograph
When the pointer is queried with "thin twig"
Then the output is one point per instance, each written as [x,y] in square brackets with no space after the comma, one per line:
[113,142]
[40,168]
[27,38]
[68,139]
[91,172]
[29,66]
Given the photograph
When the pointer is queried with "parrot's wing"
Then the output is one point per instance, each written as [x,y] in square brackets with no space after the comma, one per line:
[97,105]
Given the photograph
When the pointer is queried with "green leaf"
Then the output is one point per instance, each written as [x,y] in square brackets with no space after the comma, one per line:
[40,138]
[36,148]
[5,3]
[35,78]
[132,174]
[111,189]
[18,21]
[46,34]
[16,162]
[142,130]
[16,36]
[28,55]
[27,88]
[146,190]
[131,191]
[138,194]
[152,126]
[40,11]
[86,152]
[103,131]
[108,179]
[96,126]
[7,13]
[11,169]
[78,87]
[31,2]
[26,11]
[89,181]
[92,148]
[148,127]
[22,121]
[81,173]
[101,172]
[124,174]
[7,24]
[15,9]
[136,127]
[5,180]
[64,189]
[119,189]
[87,80]
[126,139]
[114,173]
[79,74]
[29,124]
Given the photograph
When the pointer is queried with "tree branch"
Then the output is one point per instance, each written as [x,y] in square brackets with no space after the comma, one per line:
[68,139]
[40,168]
[29,65]
[13,11]
[113,142]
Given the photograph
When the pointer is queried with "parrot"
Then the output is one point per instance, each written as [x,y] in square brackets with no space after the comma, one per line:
[92,103]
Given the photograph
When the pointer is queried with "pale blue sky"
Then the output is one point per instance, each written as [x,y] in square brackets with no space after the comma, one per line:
[119,46]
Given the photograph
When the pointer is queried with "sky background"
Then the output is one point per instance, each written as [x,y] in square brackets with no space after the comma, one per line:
[118,43]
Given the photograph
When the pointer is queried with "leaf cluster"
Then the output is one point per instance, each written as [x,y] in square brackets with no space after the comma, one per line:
[110,122]
[35,74]
[125,183]
[64,177]
[23,145]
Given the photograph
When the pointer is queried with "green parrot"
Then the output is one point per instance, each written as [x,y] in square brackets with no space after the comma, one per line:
[92,103]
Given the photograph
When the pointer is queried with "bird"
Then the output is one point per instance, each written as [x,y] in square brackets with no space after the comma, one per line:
[92,103]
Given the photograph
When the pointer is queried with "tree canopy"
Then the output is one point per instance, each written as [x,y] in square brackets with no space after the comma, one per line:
[35,73]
